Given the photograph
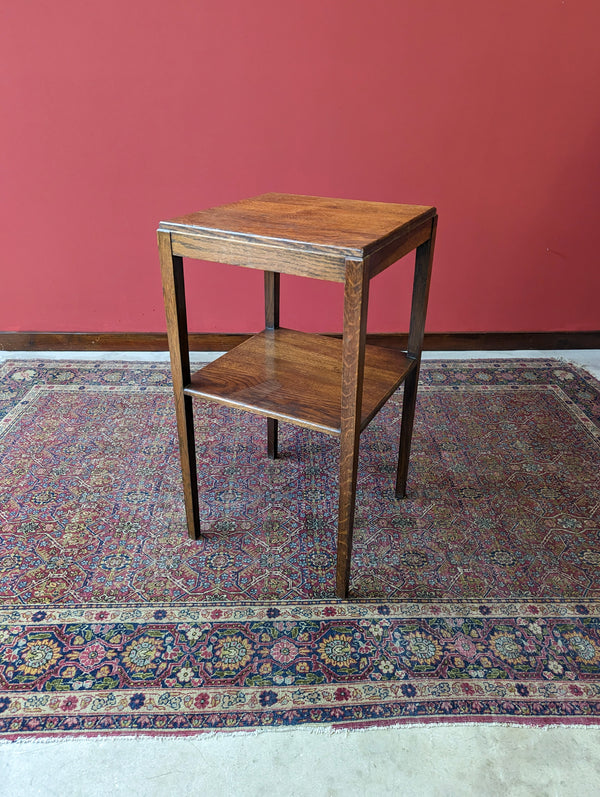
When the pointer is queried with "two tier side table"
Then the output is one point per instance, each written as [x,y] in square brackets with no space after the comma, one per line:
[319,382]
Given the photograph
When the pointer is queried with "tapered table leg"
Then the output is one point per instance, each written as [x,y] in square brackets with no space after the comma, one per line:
[353,356]
[272,435]
[423,262]
[174,296]
[272,279]
[408,417]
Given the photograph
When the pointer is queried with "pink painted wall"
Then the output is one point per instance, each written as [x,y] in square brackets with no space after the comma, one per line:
[117,113]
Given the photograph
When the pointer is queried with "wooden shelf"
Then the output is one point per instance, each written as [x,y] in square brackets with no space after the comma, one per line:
[296,377]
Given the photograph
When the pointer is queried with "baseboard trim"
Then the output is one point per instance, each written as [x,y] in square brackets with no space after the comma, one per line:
[156,341]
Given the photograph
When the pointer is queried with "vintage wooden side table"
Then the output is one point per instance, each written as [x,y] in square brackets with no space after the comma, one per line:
[335,386]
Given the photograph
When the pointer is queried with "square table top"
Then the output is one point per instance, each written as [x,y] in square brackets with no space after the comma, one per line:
[344,227]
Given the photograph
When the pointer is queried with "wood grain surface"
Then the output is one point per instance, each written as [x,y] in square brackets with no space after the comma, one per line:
[296,376]
[350,228]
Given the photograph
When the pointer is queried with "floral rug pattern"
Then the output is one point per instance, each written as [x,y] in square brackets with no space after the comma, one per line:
[476,598]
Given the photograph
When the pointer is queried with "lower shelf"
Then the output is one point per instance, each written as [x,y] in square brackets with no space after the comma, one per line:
[296,377]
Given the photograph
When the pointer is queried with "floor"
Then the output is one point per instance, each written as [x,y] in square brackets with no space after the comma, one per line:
[436,760]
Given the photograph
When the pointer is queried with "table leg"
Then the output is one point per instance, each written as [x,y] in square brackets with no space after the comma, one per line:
[174,296]
[423,262]
[356,295]
[272,279]
[408,417]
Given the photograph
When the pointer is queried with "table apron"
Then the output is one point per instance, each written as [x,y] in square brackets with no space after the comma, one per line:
[260,256]
[379,260]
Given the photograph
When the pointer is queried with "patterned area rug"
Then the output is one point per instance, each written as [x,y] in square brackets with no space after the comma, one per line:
[476,598]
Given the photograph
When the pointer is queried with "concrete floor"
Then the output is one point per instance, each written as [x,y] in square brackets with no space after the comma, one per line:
[436,760]
[451,761]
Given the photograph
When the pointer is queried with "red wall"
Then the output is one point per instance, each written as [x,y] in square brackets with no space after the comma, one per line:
[121,112]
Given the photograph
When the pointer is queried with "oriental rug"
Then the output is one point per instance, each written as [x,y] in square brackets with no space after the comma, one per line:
[476,598]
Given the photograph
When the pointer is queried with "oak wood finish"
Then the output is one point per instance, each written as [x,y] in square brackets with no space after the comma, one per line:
[356,300]
[335,386]
[420,297]
[265,256]
[272,281]
[296,377]
[175,309]
[307,236]
[343,228]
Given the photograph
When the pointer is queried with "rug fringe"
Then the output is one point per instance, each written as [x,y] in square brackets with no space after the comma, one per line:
[318,730]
